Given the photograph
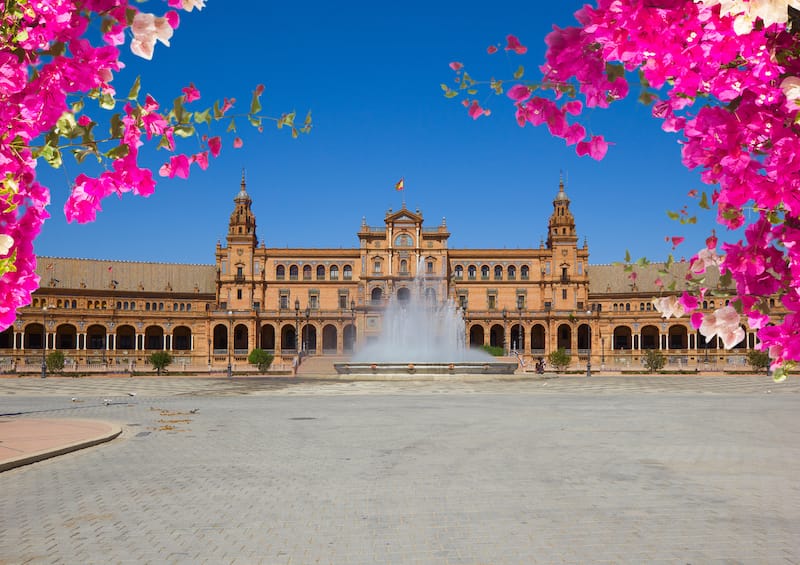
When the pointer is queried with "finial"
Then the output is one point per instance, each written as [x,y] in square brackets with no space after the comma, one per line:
[243,178]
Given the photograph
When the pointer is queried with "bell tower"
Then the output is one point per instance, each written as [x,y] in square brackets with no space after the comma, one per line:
[242,225]
[561,228]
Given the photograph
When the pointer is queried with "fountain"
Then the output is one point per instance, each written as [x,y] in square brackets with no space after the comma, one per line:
[421,337]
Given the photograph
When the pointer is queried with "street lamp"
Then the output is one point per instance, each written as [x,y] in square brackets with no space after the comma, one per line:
[589,358]
[230,342]
[307,336]
[353,324]
[505,325]
[520,306]
[44,341]
[297,325]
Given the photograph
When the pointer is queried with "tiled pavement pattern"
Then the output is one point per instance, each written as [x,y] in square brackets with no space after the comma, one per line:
[569,470]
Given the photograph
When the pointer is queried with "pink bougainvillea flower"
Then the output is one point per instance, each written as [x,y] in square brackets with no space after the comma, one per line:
[237,142]
[676,241]
[190,93]
[515,46]
[201,159]
[519,92]
[84,120]
[475,111]
[215,145]
[596,148]
[259,89]
[456,66]
[178,166]
[689,302]
[491,50]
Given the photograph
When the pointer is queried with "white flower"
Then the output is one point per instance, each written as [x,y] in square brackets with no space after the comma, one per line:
[746,12]
[791,89]
[669,306]
[190,5]
[6,241]
[146,29]
[705,258]
[723,322]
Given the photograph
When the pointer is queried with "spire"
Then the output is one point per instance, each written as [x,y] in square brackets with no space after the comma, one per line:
[243,190]
[561,228]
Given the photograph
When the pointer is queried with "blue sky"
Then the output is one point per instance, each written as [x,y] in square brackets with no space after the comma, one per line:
[370,73]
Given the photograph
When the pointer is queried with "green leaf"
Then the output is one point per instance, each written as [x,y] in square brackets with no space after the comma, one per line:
[779,375]
[231,126]
[451,94]
[179,110]
[77,106]
[255,121]
[52,155]
[80,154]
[66,124]
[647,98]
[614,71]
[627,256]
[184,130]
[255,103]
[107,101]
[472,92]
[673,215]
[704,201]
[118,152]
[117,127]
[217,111]
[203,117]
[519,72]
[445,87]
[134,92]
[308,118]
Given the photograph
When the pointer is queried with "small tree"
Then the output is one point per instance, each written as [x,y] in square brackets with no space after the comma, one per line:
[559,359]
[261,359]
[494,350]
[160,360]
[55,362]
[654,360]
[758,360]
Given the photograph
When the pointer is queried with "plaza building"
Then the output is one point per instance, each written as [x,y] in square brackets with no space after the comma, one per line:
[110,315]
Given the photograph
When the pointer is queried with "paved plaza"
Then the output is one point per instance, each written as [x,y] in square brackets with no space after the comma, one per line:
[567,470]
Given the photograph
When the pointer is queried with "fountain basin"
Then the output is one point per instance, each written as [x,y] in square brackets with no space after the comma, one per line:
[424,370]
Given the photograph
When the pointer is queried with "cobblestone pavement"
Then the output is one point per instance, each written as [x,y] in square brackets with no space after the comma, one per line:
[569,470]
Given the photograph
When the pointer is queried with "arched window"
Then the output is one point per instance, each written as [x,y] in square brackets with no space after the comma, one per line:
[403,240]
[471,271]
[320,272]
[523,272]
[280,272]
[628,307]
[511,272]
[498,272]
[307,272]
[293,272]
[347,272]
[334,272]
[403,267]
[459,272]
[485,272]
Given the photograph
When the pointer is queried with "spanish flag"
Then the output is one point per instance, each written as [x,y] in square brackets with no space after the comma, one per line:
[400,185]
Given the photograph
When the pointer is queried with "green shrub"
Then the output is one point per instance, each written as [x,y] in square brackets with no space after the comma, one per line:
[261,359]
[758,360]
[654,360]
[494,350]
[559,359]
[160,360]
[55,362]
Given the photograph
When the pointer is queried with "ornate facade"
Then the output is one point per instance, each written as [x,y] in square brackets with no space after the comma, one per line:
[111,315]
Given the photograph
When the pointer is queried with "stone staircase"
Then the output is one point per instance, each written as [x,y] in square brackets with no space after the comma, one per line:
[320,365]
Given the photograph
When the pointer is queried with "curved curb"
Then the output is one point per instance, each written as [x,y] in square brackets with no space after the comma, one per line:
[113,431]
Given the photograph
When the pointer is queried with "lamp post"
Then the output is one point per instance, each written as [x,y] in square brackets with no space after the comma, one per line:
[505,325]
[520,345]
[589,358]
[44,341]
[230,342]
[297,325]
[353,324]
[305,339]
